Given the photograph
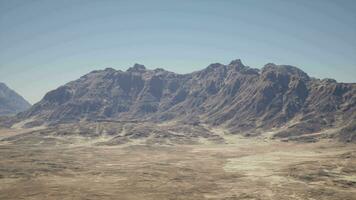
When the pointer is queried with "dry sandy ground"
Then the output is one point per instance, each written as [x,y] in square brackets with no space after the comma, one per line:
[245,168]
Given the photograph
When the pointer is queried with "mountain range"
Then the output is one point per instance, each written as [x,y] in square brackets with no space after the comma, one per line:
[11,103]
[234,96]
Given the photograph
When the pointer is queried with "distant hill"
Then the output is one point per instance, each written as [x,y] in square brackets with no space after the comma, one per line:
[11,103]
[235,96]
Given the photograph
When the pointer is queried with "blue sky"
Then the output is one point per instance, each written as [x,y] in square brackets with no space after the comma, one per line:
[46,43]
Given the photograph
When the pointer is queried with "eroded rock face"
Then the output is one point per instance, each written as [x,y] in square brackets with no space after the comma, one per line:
[234,95]
[11,103]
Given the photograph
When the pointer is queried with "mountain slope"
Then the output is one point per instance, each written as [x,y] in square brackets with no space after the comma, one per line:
[235,96]
[11,103]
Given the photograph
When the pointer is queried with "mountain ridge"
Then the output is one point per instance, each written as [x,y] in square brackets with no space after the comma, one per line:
[235,96]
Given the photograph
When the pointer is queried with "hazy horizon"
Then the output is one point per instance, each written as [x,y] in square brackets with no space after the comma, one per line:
[45,44]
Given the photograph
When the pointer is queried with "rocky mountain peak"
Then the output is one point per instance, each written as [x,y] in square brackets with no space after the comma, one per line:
[237,63]
[272,70]
[238,66]
[137,68]
[216,66]
[11,102]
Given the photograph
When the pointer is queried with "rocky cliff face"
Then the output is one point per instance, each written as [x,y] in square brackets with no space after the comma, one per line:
[10,102]
[235,96]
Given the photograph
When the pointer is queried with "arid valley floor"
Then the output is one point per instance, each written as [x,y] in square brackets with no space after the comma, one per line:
[239,168]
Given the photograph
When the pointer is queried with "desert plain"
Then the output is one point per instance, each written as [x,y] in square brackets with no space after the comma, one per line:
[74,166]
